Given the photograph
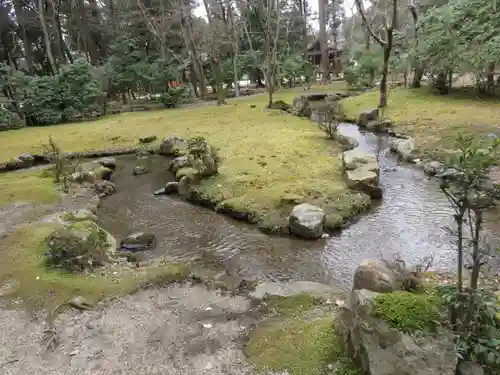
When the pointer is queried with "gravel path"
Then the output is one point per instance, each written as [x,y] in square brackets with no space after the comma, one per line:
[175,330]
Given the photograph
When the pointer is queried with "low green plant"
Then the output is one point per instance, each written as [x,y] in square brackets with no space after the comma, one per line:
[174,96]
[480,341]
[408,312]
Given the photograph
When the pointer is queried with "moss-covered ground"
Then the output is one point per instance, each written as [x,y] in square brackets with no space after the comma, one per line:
[298,338]
[27,278]
[270,159]
[409,312]
[433,120]
[27,186]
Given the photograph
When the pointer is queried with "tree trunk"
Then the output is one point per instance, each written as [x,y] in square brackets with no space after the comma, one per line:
[323,41]
[418,73]
[193,53]
[490,80]
[46,37]
[28,47]
[216,63]
[235,45]
[371,73]
[383,80]
[55,30]
[270,86]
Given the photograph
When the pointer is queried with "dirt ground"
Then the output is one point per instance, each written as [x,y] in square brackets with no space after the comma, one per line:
[179,329]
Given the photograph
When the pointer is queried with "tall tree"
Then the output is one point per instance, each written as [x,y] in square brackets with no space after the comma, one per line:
[390,19]
[323,41]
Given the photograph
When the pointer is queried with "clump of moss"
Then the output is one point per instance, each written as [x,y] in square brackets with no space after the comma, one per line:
[293,305]
[408,312]
[28,186]
[300,347]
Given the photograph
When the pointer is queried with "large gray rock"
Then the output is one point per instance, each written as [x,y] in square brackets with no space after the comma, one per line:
[376,276]
[364,180]
[382,350]
[362,172]
[172,145]
[91,172]
[178,163]
[108,162]
[355,159]
[433,168]
[368,115]
[104,188]
[403,147]
[79,246]
[307,221]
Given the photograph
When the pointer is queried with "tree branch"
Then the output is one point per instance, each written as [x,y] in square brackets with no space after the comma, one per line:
[383,43]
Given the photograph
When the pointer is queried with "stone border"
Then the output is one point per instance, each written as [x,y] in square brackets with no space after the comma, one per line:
[27,161]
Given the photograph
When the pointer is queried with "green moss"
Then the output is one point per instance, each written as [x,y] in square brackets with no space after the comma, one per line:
[293,305]
[299,347]
[39,287]
[345,366]
[79,215]
[433,120]
[28,186]
[408,312]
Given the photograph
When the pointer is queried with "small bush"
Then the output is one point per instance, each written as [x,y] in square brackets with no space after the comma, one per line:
[408,312]
[174,96]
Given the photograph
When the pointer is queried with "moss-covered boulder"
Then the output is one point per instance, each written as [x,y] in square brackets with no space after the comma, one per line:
[301,106]
[178,163]
[202,156]
[395,334]
[91,172]
[79,246]
[172,145]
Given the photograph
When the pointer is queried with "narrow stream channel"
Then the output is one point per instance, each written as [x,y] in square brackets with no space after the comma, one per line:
[409,221]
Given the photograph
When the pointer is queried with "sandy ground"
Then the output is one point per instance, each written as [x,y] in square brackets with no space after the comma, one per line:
[179,329]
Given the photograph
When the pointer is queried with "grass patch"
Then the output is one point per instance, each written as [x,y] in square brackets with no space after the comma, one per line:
[408,312]
[302,348]
[293,305]
[299,347]
[39,288]
[434,120]
[27,186]
[266,155]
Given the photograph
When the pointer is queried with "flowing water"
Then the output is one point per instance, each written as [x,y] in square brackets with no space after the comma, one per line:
[409,220]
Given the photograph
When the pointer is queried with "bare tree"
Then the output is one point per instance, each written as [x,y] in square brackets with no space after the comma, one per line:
[46,36]
[269,21]
[390,18]
[323,41]
[216,42]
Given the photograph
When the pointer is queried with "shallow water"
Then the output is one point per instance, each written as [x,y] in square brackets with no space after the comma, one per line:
[409,221]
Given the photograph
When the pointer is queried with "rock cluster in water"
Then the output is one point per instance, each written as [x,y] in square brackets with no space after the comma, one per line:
[195,159]
[362,171]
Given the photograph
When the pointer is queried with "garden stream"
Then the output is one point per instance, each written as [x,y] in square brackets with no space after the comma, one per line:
[410,221]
